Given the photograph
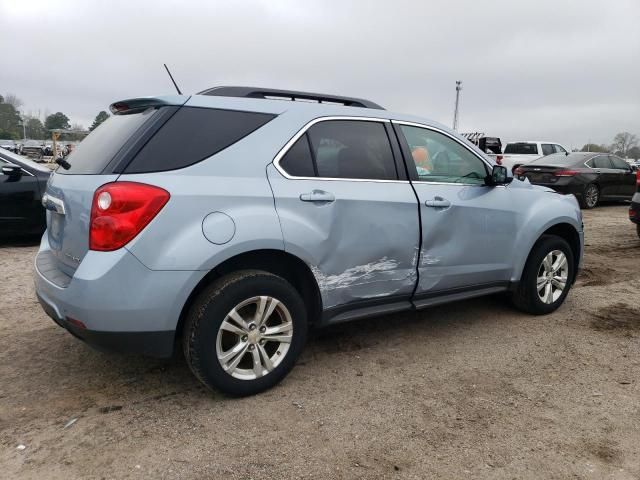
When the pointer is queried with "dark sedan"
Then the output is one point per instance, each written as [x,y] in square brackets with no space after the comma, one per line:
[589,176]
[22,184]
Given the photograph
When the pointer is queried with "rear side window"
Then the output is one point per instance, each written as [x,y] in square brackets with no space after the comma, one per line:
[602,161]
[193,134]
[521,148]
[352,149]
[93,154]
[298,160]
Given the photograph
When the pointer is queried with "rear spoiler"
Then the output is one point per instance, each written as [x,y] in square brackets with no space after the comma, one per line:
[133,105]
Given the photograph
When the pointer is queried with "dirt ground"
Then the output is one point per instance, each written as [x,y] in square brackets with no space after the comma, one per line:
[467,390]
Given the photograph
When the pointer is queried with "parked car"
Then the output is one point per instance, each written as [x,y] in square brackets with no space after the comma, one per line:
[280,215]
[34,149]
[522,153]
[9,145]
[591,177]
[22,184]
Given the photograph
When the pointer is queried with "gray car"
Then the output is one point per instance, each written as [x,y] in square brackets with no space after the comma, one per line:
[233,220]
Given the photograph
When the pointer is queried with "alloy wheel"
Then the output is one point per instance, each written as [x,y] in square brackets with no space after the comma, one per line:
[552,276]
[254,337]
[591,196]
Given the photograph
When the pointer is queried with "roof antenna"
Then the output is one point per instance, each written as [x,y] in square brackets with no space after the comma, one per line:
[171,77]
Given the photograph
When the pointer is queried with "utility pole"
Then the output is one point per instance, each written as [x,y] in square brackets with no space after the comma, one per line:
[455,112]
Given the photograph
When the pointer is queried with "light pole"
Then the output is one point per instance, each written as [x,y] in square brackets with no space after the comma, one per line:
[455,112]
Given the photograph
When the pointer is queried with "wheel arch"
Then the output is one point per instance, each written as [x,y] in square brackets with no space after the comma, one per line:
[278,262]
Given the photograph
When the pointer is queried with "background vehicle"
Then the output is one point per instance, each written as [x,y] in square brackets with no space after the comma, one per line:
[34,149]
[22,184]
[591,177]
[9,145]
[280,215]
[521,153]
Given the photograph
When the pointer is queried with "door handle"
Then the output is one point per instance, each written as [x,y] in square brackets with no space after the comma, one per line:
[438,202]
[317,196]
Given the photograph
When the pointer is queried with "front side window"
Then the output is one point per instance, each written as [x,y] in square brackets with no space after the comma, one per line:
[438,158]
[547,149]
[559,149]
[352,149]
[619,163]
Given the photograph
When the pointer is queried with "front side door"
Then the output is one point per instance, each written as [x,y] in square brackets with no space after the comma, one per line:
[468,229]
[346,209]
[625,177]
[20,210]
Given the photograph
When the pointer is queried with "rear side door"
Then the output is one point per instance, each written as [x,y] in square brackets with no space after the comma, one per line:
[625,177]
[347,208]
[607,176]
[467,228]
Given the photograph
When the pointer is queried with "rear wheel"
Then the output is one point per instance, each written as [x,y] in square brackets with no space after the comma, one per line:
[590,196]
[546,278]
[244,332]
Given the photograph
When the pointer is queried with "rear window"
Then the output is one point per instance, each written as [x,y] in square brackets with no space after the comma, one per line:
[92,155]
[560,159]
[193,134]
[521,148]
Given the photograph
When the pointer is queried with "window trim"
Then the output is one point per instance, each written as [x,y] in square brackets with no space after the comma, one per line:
[438,130]
[283,151]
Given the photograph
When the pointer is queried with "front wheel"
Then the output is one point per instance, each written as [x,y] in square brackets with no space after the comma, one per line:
[590,196]
[546,278]
[244,332]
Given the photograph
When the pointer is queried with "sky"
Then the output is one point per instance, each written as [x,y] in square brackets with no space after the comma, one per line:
[565,71]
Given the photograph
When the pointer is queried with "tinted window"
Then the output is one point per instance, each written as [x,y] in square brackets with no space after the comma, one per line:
[521,148]
[559,149]
[547,149]
[602,161]
[576,159]
[619,163]
[93,154]
[193,134]
[352,149]
[298,161]
[438,158]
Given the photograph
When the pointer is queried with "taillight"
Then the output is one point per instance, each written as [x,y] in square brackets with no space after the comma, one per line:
[499,159]
[120,211]
[637,178]
[565,173]
[518,171]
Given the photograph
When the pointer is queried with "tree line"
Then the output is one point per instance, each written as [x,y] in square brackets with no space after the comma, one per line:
[15,126]
[625,145]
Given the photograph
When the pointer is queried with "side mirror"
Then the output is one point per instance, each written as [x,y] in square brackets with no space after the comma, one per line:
[12,171]
[499,176]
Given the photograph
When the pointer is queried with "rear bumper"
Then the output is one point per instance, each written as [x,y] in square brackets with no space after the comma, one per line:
[114,302]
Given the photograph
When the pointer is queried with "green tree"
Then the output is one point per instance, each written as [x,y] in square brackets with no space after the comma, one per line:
[56,120]
[101,117]
[592,147]
[9,121]
[623,142]
[35,129]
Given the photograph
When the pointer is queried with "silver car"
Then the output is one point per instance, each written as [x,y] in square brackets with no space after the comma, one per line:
[233,220]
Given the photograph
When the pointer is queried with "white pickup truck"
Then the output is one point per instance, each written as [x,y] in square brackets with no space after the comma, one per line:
[519,153]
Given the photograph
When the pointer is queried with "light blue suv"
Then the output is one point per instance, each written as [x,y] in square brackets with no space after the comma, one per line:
[233,220]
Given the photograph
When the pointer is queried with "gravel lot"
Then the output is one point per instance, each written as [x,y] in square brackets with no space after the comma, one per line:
[467,390]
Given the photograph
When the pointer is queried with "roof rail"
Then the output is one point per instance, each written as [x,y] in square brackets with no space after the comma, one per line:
[275,94]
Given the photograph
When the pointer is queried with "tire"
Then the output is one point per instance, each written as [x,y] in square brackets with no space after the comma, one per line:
[638,230]
[526,296]
[590,196]
[204,340]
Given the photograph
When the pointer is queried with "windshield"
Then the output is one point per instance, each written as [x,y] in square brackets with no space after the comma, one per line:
[22,161]
[521,148]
